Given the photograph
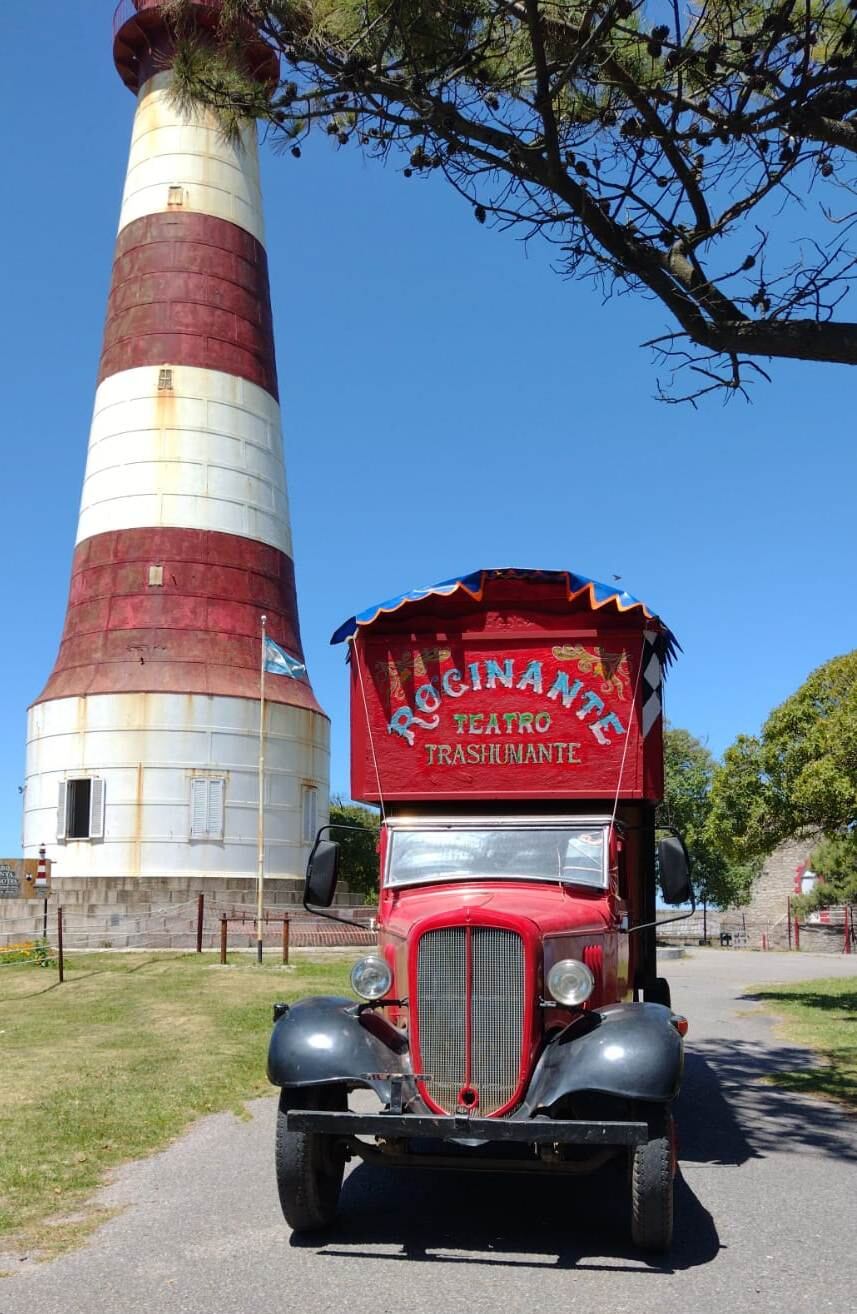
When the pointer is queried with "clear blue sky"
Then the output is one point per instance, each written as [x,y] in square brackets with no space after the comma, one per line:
[448,403]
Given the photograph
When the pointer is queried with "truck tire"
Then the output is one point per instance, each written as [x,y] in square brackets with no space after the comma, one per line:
[658,992]
[309,1165]
[652,1185]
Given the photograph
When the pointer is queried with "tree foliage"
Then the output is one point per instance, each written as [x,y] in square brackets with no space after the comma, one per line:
[359,862]
[689,769]
[701,155]
[799,777]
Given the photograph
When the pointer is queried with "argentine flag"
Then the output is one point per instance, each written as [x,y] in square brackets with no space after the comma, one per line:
[278,662]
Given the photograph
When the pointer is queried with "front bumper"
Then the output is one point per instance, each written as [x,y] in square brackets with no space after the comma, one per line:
[542,1131]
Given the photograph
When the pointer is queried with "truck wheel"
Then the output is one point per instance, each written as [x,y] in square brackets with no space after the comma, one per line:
[309,1165]
[658,992]
[652,1185]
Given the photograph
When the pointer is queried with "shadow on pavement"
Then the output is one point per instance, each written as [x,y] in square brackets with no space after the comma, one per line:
[727,1114]
[507,1221]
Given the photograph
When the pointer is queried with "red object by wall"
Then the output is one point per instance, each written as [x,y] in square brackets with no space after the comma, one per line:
[503,702]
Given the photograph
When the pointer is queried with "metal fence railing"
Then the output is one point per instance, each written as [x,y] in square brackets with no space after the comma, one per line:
[198,922]
[830,930]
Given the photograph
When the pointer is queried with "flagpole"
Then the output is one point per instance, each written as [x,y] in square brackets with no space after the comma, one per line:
[260,875]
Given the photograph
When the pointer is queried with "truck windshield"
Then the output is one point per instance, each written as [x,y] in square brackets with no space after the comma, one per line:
[573,854]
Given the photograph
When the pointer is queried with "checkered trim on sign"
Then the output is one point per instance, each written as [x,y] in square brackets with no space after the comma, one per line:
[651,681]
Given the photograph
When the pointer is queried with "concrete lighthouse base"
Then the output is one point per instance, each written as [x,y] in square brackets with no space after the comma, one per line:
[142,786]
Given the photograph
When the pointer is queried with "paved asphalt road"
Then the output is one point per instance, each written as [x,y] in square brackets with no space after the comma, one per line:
[766,1208]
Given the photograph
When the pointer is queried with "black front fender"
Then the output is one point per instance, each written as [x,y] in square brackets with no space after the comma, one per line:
[632,1051]
[328,1039]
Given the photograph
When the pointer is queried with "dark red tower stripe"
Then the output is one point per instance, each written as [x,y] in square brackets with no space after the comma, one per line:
[190,289]
[197,632]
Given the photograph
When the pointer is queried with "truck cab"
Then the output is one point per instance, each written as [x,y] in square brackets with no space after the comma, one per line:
[504,725]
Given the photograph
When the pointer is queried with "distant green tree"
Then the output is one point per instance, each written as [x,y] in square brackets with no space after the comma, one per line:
[359,864]
[835,862]
[799,776]
[689,769]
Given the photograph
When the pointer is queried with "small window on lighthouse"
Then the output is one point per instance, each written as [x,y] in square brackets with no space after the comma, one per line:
[80,809]
[310,813]
[175,196]
[207,795]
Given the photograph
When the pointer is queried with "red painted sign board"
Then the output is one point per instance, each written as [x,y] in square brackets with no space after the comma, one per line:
[493,708]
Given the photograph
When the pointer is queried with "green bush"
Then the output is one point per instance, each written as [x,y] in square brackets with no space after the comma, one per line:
[37,952]
[359,866]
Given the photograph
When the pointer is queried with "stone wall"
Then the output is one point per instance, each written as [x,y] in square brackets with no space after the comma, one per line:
[767,911]
[817,938]
[104,912]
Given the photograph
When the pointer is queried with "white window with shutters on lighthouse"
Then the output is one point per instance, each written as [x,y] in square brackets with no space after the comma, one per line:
[310,813]
[207,797]
[80,808]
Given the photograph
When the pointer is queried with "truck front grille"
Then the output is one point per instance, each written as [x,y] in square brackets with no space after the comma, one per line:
[470,1014]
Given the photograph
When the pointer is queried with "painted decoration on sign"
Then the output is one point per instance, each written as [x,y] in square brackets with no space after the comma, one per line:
[611,667]
[396,672]
[501,718]
[495,674]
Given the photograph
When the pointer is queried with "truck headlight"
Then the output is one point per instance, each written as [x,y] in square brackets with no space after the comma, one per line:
[371,978]
[570,981]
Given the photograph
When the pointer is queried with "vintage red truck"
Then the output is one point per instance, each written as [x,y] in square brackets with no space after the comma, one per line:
[509,725]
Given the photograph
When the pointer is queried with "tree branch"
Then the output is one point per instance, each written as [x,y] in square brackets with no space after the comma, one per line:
[641,153]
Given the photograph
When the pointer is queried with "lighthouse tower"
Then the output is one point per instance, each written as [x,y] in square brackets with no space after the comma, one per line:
[143,747]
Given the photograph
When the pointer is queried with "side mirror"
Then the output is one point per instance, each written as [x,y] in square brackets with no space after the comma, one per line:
[321,874]
[674,870]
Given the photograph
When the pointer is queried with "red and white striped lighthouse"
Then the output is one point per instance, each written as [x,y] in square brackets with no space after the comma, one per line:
[142,748]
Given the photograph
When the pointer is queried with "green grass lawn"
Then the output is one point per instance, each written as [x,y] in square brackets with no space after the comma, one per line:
[823,1016]
[118,1060]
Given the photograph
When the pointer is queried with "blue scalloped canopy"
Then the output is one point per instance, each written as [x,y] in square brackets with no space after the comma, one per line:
[600,595]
